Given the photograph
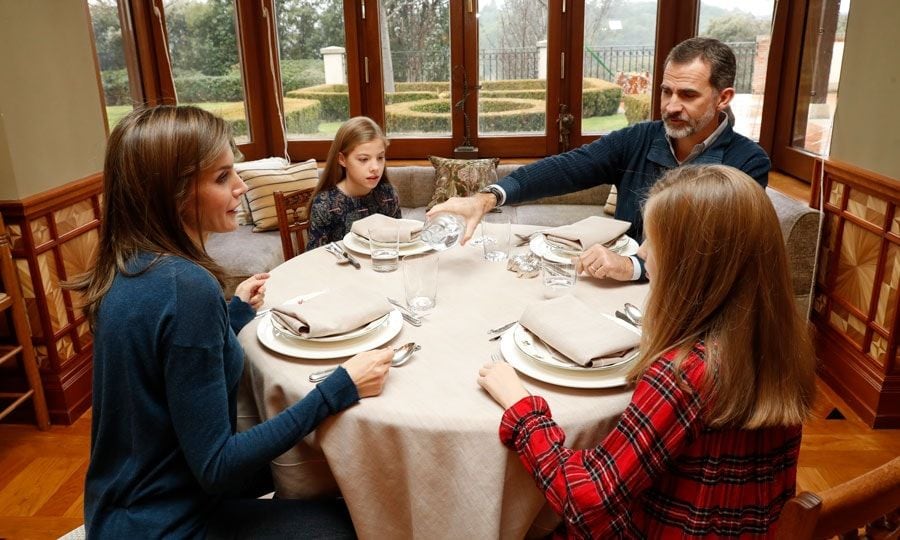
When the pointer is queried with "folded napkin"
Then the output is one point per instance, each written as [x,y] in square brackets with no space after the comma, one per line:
[333,312]
[578,331]
[409,229]
[587,232]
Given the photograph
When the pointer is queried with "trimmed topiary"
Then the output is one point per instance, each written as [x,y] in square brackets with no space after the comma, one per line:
[637,108]
[495,114]
[600,98]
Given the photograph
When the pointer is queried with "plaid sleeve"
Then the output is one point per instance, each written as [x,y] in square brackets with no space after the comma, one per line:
[592,489]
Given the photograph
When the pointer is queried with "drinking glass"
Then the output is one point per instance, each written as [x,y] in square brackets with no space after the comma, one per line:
[491,178]
[558,274]
[384,248]
[420,275]
[495,230]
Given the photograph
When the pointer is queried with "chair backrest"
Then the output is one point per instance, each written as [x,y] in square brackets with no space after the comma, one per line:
[291,209]
[871,501]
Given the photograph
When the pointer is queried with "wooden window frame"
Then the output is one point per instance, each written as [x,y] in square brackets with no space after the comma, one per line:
[149,69]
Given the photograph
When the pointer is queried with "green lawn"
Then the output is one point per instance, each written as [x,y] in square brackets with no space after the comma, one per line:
[116,112]
[603,124]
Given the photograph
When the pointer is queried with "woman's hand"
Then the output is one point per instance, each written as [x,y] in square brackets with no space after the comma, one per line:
[472,209]
[600,263]
[253,290]
[368,370]
[502,383]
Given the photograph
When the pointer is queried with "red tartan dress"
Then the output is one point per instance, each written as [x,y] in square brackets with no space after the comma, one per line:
[661,472]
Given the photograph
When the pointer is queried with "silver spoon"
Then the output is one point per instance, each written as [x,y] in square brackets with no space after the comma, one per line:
[634,313]
[402,354]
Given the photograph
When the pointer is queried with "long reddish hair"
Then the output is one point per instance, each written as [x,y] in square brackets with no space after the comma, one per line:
[721,276]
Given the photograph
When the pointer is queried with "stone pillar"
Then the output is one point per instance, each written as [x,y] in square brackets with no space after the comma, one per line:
[760,64]
[542,59]
[335,65]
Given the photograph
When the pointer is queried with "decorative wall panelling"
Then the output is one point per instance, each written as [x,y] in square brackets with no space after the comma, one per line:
[54,238]
[856,290]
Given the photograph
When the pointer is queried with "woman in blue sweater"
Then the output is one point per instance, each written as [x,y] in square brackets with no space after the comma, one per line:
[165,458]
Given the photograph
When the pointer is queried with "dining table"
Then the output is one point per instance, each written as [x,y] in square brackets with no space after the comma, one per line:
[423,459]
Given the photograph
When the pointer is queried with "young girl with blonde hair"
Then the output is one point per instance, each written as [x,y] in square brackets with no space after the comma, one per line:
[354,184]
[708,445]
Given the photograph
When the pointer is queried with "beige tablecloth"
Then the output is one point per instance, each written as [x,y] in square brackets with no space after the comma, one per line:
[423,460]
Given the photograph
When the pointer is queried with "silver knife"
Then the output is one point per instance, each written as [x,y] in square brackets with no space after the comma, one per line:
[349,257]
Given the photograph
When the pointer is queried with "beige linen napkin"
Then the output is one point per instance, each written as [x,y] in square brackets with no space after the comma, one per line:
[578,331]
[409,229]
[333,312]
[587,232]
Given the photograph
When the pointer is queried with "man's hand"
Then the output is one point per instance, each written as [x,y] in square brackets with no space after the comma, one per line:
[599,262]
[253,290]
[470,208]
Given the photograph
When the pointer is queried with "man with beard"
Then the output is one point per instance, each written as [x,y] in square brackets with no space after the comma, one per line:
[697,88]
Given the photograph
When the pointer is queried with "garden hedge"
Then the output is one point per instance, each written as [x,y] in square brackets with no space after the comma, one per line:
[497,114]
[301,116]
[637,108]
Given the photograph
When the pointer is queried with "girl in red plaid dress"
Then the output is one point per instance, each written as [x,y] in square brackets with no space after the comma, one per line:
[708,446]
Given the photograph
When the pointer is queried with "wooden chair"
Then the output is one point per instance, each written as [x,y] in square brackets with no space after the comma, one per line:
[291,209]
[870,501]
[12,302]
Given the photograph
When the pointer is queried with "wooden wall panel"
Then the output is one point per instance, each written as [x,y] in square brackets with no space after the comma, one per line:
[856,292]
[54,237]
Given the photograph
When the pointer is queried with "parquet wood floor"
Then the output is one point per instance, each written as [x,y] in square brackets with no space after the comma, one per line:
[42,473]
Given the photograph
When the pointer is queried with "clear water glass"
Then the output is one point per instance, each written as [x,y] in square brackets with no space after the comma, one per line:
[443,231]
[384,248]
[420,276]
[495,230]
[558,275]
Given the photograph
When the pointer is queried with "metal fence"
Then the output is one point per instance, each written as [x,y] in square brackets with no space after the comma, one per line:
[506,64]
[606,62]
[522,63]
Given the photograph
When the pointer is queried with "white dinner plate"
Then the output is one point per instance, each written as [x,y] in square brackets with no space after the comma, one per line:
[358,244]
[521,362]
[543,354]
[361,331]
[625,246]
[317,350]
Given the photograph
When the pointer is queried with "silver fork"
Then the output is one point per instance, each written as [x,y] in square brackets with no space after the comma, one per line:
[497,359]
[408,315]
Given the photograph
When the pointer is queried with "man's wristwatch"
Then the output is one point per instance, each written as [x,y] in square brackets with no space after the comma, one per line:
[493,190]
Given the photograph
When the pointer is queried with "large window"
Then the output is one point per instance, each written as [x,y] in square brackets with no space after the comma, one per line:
[493,78]
[416,66]
[205,59]
[619,47]
[747,28]
[110,47]
[313,62]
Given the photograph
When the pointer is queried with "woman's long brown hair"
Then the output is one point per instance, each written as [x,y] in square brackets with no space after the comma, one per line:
[153,159]
[721,276]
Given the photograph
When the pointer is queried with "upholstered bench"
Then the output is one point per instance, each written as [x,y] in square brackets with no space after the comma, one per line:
[244,253]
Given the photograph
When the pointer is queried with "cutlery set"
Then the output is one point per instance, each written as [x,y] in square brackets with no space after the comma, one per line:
[408,315]
[342,255]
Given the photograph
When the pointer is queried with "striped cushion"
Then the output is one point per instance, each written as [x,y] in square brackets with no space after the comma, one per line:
[262,183]
[275,163]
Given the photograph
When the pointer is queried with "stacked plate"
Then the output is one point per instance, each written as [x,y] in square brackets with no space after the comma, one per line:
[530,356]
[359,244]
[274,336]
[539,245]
